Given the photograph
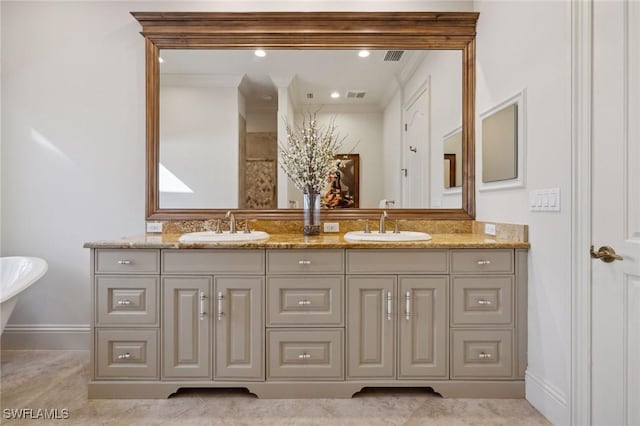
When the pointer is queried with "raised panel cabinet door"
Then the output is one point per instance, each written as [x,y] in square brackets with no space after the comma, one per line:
[370,327]
[239,338]
[422,327]
[187,327]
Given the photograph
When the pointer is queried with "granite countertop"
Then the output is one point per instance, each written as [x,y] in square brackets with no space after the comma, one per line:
[325,241]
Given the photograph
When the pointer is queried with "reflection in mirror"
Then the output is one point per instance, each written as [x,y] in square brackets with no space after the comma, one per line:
[500,145]
[223,112]
[452,147]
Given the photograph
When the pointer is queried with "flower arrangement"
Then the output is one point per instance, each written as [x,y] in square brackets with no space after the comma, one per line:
[308,158]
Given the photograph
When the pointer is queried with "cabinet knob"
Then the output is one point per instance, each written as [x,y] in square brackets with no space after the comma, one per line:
[124,262]
[484,355]
[304,356]
[484,262]
[124,356]
[124,302]
[304,302]
[483,302]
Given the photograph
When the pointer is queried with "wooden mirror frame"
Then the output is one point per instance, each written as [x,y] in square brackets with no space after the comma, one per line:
[309,30]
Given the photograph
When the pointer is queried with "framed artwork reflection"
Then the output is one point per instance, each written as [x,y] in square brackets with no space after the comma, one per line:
[342,190]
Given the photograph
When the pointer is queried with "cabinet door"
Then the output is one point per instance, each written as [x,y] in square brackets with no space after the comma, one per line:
[422,345]
[371,324]
[186,327]
[239,341]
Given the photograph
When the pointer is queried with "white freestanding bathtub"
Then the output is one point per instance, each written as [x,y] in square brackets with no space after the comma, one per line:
[16,274]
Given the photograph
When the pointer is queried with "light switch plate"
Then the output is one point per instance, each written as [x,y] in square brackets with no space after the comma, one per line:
[544,200]
[331,227]
[490,228]
[153,227]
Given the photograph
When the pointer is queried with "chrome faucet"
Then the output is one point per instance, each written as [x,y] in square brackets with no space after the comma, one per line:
[232,222]
[383,216]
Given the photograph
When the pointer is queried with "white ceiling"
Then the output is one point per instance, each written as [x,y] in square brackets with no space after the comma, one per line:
[309,71]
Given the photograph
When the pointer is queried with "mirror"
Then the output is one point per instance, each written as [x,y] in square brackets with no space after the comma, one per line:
[500,145]
[223,115]
[216,111]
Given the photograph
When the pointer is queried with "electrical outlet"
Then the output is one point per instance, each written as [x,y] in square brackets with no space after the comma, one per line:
[490,228]
[154,227]
[331,227]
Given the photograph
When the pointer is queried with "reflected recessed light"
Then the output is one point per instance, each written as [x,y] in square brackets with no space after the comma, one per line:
[260,53]
[160,59]
[335,95]
[364,53]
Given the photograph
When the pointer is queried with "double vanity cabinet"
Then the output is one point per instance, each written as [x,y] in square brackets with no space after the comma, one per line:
[308,322]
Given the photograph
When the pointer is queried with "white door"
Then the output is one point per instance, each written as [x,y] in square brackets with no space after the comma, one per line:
[415,150]
[615,398]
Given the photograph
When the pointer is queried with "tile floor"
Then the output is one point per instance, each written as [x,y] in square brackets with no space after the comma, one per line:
[58,379]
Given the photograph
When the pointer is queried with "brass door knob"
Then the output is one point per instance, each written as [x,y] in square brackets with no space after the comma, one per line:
[606,254]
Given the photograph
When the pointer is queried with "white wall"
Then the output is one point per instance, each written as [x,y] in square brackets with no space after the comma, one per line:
[527,44]
[443,70]
[199,125]
[391,143]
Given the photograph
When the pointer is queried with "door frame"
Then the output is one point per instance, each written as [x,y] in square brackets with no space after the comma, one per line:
[424,87]
[581,203]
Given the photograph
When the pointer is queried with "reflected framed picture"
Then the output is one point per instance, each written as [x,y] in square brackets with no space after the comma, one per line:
[342,190]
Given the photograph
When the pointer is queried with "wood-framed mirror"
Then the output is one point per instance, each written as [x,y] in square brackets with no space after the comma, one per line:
[211,38]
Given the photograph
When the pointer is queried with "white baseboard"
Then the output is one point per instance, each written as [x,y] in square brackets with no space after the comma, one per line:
[46,336]
[546,398]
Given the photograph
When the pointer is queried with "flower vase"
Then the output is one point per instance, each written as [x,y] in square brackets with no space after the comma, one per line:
[311,212]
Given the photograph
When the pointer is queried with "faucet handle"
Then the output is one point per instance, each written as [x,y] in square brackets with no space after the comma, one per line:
[246,228]
[396,229]
[218,229]
[366,227]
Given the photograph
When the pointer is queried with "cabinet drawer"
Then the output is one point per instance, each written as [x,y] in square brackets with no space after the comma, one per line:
[397,261]
[481,353]
[305,261]
[479,261]
[220,261]
[305,354]
[305,300]
[482,300]
[127,300]
[127,354]
[111,261]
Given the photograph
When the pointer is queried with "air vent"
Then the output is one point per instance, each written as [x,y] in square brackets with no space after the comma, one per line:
[393,55]
[310,95]
[356,94]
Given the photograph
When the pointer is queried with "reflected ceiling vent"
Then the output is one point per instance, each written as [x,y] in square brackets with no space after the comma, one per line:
[393,55]
[356,94]
[310,95]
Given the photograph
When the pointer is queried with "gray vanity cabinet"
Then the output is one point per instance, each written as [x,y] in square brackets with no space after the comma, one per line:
[414,307]
[239,329]
[309,322]
[186,327]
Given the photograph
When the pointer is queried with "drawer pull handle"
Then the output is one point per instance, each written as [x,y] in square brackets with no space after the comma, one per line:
[220,299]
[124,262]
[304,356]
[407,308]
[484,302]
[304,302]
[304,262]
[389,306]
[203,311]
[124,302]
[124,356]
[484,355]
[484,262]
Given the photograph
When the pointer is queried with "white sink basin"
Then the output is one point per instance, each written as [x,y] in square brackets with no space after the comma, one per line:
[224,237]
[387,236]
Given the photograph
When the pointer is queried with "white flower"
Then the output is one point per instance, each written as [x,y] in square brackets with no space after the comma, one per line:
[308,158]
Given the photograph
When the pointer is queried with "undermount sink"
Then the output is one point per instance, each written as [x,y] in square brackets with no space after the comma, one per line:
[224,237]
[387,236]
